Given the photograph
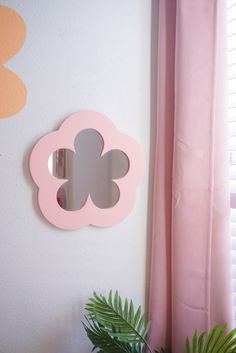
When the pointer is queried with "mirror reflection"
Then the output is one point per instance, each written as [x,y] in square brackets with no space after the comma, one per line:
[88,172]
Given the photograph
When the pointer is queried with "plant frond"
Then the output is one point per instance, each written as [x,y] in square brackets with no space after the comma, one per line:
[216,341]
[104,342]
[118,320]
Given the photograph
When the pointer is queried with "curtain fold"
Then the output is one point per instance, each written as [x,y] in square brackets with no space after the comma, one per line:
[190,281]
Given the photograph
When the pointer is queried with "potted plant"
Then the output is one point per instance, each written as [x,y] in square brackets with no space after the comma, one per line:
[116,327]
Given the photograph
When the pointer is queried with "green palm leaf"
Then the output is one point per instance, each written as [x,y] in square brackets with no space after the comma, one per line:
[118,320]
[216,341]
[103,341]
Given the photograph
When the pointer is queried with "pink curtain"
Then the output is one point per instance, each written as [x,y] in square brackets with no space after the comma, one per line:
[190,280]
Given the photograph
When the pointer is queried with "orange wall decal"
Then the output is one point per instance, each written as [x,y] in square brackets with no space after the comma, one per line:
[12,36]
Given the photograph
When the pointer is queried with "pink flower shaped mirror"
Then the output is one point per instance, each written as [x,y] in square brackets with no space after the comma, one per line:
[87,172]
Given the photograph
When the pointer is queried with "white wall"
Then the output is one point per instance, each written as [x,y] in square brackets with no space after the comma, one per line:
[78,55]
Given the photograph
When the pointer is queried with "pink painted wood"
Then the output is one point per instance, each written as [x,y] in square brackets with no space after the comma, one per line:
[48,185]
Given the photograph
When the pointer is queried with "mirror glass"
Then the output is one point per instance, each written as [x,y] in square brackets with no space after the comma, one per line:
[88,171]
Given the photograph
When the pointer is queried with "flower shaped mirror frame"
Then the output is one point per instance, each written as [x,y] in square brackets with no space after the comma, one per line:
[48,184]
